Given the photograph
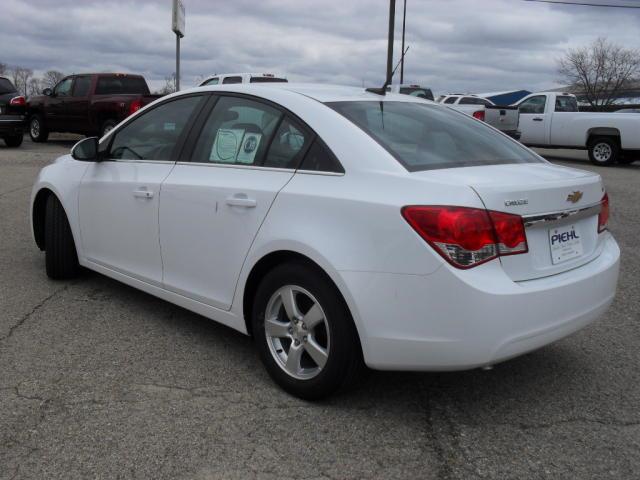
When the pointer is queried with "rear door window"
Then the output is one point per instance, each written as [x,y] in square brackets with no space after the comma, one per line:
[424,136]
[320,159]
[288,145]
[237,132]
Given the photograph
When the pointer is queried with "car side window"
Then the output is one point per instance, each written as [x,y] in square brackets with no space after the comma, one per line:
[566,103]
[238,131]
[63,89]
[451,100]
[320,159]
[213,81]
[154,134]
[228,80]
[288,146]
[81,86]
[533,105]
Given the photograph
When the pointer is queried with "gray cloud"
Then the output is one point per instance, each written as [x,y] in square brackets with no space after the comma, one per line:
[456,45]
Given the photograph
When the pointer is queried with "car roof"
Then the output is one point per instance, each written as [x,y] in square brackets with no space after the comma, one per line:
[320,92]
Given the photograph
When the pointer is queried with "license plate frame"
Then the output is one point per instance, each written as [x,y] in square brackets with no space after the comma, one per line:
[565,243]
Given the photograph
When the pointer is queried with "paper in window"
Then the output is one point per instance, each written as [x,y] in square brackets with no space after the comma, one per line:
[226,145]
[249,147]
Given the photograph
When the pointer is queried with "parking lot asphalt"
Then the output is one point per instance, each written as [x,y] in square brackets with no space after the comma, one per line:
[98,380]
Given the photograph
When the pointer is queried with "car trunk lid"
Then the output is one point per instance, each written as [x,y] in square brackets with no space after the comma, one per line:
[559,206]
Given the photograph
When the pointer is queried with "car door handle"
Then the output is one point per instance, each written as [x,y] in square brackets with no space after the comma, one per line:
[241,200]
[538,119]
[143,193]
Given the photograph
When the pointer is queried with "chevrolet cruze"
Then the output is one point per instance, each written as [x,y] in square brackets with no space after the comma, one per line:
[338,227]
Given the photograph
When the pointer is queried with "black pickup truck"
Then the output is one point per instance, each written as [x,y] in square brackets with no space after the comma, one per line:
[89,104]
[12,113]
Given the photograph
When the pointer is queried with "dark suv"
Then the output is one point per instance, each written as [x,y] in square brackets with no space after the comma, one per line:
[12,113]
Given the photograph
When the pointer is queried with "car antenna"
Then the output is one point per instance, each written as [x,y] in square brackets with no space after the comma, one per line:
[383,89]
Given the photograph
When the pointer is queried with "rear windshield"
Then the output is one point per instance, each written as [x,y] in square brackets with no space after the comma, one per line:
[417,92]
[121,85]
[6,86]
[566,103]
[424,136]
[268,80]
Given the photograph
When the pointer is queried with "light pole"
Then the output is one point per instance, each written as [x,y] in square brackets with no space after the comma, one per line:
[404,19]
[392,20]
[177,25]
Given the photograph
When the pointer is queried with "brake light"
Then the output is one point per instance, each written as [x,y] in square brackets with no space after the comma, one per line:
[134,106]
[467,237]
[479,115]
[603,216]
[18,101]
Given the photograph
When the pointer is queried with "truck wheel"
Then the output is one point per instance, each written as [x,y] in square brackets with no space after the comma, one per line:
[37,130]
[603,150]
[107,127]
[61,259]
[14,141]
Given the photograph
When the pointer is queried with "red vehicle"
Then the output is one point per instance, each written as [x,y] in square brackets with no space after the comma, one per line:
[89,104]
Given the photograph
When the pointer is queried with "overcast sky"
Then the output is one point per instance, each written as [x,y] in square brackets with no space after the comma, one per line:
[455,45]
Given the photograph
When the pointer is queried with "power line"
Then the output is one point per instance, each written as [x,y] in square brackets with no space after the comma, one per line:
[584,4]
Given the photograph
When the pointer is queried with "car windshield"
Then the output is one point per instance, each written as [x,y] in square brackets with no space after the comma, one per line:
[417,92]
[6,86]
[424,136]
[121,85]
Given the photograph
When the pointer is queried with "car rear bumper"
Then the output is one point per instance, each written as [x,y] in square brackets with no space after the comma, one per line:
[457,320]
[12,125]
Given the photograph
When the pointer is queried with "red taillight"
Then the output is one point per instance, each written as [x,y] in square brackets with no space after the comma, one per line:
[18,101]
[134,106]
[603,216]
[479,115]
[467,237]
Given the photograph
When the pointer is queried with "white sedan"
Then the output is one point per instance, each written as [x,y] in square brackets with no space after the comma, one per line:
[337,227]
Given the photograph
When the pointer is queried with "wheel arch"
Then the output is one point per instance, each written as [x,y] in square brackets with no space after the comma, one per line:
[603,132]
[278,257]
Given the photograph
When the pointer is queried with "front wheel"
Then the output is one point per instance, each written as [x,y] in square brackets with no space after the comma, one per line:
[61,258]
[603,150]
[304,332]
[14,141]
[37,130]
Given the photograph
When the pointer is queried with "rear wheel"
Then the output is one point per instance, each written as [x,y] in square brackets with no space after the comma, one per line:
[304,332]
[37,130]
[603,150]
[107,127]
[60,249]
[13,141]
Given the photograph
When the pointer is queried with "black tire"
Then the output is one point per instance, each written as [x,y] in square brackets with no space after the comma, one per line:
[603,150]
[60,250]
[37,131]
[344,360]
[14,141]
[107,126]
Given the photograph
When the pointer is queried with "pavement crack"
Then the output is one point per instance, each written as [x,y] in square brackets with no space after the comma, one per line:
[28,315]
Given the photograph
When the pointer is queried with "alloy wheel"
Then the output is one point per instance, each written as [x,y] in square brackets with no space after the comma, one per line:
[602,152]
[35,128]
[297,332]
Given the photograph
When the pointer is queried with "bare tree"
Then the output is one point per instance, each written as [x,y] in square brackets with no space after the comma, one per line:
[21,77]
[51,78]
[600,71]
[35,87]
[169,85]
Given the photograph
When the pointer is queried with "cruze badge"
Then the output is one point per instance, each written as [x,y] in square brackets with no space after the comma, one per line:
[574,197]
[514,203]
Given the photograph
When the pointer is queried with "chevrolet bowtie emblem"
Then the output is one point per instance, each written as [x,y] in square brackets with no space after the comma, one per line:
[574,197]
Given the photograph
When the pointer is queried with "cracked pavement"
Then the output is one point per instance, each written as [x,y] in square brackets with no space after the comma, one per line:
[98,380]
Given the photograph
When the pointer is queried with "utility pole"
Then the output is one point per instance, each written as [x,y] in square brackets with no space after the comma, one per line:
[177,25]
[404,19]
[392,21]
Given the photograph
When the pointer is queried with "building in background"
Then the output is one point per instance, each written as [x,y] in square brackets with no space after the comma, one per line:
[505,98]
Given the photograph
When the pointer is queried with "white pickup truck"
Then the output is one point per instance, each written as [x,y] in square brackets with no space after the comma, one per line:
[552,120]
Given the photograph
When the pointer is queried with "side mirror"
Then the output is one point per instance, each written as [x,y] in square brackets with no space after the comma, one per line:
[47,92]
[86,150]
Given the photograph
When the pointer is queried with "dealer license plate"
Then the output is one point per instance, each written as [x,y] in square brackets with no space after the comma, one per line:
[565,243]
